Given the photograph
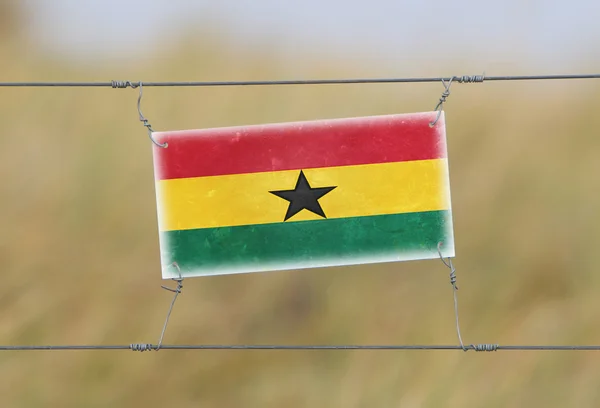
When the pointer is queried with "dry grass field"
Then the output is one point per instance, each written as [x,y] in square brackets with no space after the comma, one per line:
[79,248]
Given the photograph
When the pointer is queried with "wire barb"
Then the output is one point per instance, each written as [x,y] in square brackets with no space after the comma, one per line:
[177,291]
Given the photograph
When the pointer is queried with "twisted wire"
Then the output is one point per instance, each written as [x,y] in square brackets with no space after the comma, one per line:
[450,266]
[466,79]
[444,96]
[475,347]
[144,121]
[142,347]
[177,291]
[484,347]
[125,84]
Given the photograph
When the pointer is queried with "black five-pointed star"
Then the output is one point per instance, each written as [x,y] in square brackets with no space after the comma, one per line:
[303,196]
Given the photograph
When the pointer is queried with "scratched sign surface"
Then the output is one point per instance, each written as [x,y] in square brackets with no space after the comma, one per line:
[303,194]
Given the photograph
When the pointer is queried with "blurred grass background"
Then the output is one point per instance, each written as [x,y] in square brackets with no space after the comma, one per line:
[79,246]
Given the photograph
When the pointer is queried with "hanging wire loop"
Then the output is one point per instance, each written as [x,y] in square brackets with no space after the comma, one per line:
[450,266]
[443,98]
[177,291]
[465,79]
[141,115]
[475,347]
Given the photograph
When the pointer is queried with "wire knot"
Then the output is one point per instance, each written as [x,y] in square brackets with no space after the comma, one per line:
[179,281]
[146,124]
[443,98]
[177,289]
[124,84]
[483,347]
[469,79]
[449,265]
[453,278]
[141,347]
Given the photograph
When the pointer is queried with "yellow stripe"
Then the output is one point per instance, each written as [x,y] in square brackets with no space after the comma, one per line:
[244,199]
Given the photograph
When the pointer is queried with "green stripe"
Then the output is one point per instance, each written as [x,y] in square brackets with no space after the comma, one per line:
[292,245]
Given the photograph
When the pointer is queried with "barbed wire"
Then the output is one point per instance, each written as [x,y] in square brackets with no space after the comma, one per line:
[459,79]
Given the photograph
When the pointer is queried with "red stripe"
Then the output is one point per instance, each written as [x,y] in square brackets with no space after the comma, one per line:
[300,145]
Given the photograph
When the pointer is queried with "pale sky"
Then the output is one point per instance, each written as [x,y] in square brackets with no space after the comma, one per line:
[550,34]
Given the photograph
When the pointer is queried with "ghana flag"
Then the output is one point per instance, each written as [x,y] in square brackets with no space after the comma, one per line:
[303,195]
